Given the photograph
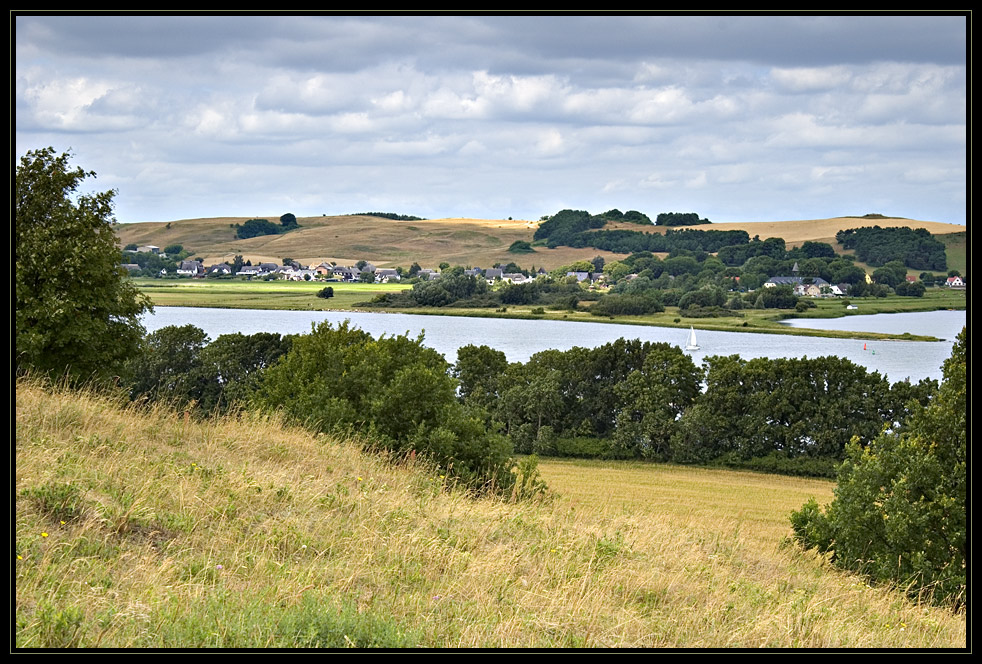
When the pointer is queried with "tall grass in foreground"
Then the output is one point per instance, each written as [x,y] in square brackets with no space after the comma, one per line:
[149,529]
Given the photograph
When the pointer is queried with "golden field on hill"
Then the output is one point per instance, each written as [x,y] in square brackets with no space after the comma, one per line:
[144,528]
[475,242]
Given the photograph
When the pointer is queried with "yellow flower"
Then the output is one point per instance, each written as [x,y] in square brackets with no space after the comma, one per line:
[359,479]
[44,534]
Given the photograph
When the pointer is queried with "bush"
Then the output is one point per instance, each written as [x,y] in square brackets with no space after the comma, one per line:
[326,292]
[393,390]
[899,513]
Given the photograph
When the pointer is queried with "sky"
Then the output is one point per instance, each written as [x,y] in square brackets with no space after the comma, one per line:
[737,118]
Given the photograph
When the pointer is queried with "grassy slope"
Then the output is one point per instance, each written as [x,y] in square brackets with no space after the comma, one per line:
[147,529]
[476,242]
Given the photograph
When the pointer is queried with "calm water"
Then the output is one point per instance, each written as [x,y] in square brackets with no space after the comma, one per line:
[520,339]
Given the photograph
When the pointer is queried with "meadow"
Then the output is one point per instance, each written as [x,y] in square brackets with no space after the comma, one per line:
[239,294]
[142,527]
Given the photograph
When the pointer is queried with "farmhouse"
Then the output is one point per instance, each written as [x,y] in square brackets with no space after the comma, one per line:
[386,275]
[191,269]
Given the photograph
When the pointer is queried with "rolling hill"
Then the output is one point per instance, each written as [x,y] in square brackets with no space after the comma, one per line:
[347,239]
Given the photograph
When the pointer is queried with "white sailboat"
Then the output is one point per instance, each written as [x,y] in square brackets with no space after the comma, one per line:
[691,343]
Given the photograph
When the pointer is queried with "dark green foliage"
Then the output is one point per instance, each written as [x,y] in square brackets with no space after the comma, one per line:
[173,249]
[390,215]
[479,370]
[780,463]
[393,390]
[521,247]
[626,242]
[177,364]
[635,217]
[326,292]
[288,221]
[168,364]
[561,227]
[620,399]
[899,513]
[797,407]
[613,304]
[910,289]
[76,314]
[257,227]
[679,219]
[232,366]
[811,249]
[916,249]
[704,297]
[778,297]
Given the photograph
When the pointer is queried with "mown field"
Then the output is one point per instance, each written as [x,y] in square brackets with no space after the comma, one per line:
[235,293]
[143,528]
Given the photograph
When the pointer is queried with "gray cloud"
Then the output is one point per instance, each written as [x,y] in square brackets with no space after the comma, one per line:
[735,117]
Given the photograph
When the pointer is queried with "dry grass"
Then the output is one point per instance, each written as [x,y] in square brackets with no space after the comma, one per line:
[458,241]
[148,529]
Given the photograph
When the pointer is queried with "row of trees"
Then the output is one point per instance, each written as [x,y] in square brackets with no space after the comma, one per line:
[630,399]
[680,219]
[914,248]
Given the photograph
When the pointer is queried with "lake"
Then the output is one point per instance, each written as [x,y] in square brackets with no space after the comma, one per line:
[520,339]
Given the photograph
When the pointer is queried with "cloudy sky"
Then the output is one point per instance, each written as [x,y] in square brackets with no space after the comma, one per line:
[737,118]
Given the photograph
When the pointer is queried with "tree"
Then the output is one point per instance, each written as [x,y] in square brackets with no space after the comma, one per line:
[899,513]
[168,365]
[77,315]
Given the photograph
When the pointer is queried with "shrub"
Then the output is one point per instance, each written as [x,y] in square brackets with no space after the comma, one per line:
[394,391]
[899,513]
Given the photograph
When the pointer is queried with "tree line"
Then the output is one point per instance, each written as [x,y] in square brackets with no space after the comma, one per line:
[640,400]
[915,248]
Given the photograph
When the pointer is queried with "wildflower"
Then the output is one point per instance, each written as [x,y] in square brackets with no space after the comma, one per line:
[63,523]
[20,557]
[44,534]
[359,479]
[218,567]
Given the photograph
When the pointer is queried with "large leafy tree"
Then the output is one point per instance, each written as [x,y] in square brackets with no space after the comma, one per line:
[899,512]
[76,313]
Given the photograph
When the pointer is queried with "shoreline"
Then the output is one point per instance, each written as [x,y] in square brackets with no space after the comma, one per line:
[700,324]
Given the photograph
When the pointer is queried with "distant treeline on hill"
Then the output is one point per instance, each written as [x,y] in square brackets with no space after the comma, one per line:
[570,228]
[389,215]
[257,227]
[878,246]
[680,219]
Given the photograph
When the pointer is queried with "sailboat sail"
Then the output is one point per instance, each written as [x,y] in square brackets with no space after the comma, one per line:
[691,344]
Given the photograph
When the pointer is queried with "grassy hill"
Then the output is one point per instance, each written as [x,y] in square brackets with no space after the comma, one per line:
[476,242]
[143,528]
